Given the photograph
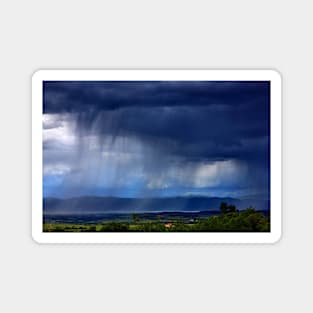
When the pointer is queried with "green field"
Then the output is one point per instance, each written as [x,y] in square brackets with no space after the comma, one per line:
[229,220]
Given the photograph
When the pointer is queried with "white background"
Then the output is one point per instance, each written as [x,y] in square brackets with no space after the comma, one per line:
[158,34]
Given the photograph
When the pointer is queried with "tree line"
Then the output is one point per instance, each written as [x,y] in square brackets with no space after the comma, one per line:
[229,220]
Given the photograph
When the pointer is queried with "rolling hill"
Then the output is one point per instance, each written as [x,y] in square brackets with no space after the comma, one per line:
[90,204]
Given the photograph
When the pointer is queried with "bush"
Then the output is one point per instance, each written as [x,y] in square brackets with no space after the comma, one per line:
[91,229]
[114,227]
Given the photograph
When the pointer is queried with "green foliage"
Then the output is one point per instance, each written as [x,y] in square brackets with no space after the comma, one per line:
[114,227]
[225,208]
[230,220]
[248,220]
[151,227]
[91,229]
[135,218]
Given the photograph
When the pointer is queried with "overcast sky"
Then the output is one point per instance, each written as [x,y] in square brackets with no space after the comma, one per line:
[139,139]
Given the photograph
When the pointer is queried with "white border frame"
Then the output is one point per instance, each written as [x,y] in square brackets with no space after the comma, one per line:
[214,75]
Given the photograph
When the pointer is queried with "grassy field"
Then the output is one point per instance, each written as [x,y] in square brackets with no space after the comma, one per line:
[248,220]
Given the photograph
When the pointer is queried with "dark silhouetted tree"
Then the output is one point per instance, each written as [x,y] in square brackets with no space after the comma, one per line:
[135,218]
[225,208]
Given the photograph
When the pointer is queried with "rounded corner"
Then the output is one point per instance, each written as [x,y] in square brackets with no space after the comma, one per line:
[37,75]
[276,75]
[277,238]
[36,238]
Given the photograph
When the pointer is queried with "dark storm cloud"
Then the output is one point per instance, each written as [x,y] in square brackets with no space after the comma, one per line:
[71,96]
[195,120]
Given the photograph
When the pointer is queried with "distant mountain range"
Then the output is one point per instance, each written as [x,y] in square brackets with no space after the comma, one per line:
[90,204]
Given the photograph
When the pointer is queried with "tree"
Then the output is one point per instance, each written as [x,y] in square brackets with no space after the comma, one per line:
[225,208]
[231,208]
[135,218]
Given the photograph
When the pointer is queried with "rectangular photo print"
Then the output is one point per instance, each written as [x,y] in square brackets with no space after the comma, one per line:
[156,156]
